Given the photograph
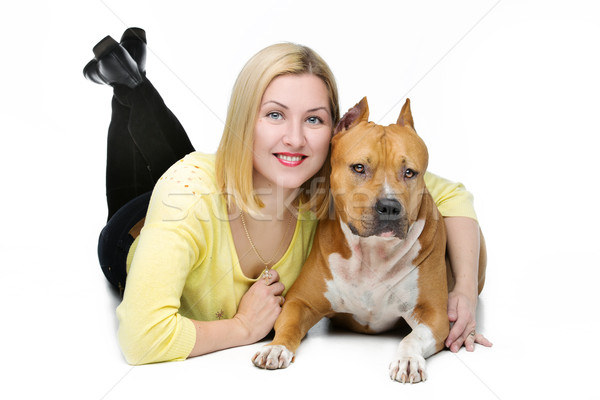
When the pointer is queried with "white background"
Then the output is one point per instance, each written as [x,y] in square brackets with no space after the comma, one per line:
[505,94]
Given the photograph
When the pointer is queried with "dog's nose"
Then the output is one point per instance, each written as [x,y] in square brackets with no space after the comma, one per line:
[387,208]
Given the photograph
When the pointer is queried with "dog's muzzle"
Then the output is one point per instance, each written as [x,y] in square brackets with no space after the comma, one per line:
[387,218]
[391,218]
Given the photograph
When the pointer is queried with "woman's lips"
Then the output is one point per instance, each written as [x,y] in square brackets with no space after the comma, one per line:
[290,159]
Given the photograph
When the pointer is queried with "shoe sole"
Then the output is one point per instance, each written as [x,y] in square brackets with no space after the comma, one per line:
[134,34]
[104,47]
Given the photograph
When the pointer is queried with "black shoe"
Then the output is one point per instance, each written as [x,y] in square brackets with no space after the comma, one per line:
[112,65]
[134,41]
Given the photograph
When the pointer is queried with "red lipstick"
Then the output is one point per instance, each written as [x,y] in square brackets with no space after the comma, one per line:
[290,159]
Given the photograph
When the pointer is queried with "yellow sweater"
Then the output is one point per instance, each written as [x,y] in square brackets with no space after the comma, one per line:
[184,266]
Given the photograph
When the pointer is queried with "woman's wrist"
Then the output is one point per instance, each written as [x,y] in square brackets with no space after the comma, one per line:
[241,329]
[219,335]
[466,287]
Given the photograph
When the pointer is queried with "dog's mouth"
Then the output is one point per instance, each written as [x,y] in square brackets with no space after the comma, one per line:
[386,218]
[387,234]
[384,230]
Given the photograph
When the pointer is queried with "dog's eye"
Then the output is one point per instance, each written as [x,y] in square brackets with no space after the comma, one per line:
[410,173]
[358,168]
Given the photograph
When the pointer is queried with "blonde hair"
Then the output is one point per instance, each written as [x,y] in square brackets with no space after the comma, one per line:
[234,159]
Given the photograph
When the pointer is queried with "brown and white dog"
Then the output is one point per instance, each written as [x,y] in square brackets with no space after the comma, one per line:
[382,257]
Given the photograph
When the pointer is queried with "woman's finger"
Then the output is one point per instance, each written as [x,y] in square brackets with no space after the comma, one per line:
[464,338]
[456,332]
[480,339]
[453,309]
[276,288]
[470,341]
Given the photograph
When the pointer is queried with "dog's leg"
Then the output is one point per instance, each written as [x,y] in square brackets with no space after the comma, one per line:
[305,304]
[430,327]
[409,365]
[293,323]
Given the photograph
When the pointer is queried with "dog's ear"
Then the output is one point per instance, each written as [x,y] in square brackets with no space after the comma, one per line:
[358,113]
[405,117]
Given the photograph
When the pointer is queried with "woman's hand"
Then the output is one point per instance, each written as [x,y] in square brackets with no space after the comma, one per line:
[260,307]
[461,311]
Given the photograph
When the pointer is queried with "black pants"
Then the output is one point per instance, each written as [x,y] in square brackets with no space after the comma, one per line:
[144,140]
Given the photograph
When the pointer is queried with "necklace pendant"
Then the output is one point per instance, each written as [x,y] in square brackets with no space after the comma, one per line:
[266,274]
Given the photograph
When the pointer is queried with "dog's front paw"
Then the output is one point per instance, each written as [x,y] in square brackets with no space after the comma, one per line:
[408,369]
[273,357]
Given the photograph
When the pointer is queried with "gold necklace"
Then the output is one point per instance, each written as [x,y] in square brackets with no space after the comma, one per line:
[266,263]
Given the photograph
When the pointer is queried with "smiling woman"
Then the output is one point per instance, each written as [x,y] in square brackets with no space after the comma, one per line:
[224,235]
[292,133]
[262,70]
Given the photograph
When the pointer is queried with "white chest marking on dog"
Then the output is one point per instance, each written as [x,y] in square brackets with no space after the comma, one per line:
[378,283]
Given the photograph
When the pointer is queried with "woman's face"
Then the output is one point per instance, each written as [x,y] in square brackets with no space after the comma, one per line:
[292,132]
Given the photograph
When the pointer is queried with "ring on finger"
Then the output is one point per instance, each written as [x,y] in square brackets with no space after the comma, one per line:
[472,333]
[281,300]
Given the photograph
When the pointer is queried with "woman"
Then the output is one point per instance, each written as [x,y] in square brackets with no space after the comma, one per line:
[225,235]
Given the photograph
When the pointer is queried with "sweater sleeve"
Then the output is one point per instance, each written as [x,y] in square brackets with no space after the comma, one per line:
[150,326]
[451,198]
[151,329]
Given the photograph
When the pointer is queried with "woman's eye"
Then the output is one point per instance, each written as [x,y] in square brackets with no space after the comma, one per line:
[275,115]
[359,168]
[314,120]
[409,173]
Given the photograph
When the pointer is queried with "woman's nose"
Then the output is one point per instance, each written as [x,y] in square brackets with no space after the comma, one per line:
[294,136]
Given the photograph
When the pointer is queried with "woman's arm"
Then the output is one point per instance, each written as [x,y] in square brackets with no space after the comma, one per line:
[456,206]
[217,335]
[256,315]
[172,243]
[463,251]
